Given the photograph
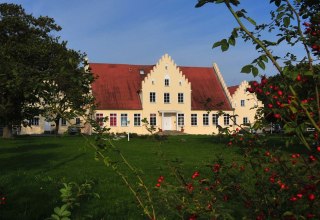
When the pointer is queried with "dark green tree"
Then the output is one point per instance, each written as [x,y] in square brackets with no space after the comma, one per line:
[36,66]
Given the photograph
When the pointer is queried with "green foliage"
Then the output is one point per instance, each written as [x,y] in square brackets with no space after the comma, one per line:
[39,74]
[150,128]
[71,196]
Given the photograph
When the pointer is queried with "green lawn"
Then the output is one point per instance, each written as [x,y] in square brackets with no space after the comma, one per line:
[34,168]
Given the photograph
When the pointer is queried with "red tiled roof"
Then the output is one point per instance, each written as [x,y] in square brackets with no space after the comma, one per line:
[117,87]
[207,91]
[232,89]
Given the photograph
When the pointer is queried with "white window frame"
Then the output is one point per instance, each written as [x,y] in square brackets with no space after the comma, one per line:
[215,119]
[152,97]
[194,119]
[166,82]
[34,121]
[166,98]
[63,122]
[181,119]
[153,119]
[137,119]
[226,119]
[180,98]
[205,119]
[245,120]
[124,119]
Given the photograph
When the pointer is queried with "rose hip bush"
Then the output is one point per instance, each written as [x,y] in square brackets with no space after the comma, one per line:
[268,182]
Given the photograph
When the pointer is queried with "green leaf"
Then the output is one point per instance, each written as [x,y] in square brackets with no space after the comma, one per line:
[255,71]
[246,69]
[261,65]
[216,44]
[224,45]
[232,41]
[286,21]
[281,8]
[234,33]
[251,21]
[55,217]
[57,211]
[293,109]
[264,58]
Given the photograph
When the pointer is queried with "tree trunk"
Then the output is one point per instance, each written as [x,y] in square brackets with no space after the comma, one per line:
[7,132]
[57,120]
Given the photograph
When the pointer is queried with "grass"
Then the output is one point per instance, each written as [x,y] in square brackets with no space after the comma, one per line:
[34,168]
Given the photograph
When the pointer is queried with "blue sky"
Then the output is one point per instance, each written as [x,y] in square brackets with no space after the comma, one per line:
[141,31]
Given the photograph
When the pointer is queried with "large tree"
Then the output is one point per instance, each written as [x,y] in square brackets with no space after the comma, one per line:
[32,62]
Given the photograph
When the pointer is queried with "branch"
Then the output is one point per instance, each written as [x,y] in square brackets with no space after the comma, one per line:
[256,40]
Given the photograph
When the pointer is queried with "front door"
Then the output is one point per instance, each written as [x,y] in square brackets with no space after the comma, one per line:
[167,122]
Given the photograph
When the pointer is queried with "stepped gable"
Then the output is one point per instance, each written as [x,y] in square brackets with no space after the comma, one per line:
[233,89]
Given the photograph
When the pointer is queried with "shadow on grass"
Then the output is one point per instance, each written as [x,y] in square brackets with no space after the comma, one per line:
[27,161]
[28,147]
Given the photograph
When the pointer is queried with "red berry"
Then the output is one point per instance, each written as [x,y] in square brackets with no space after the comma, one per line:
[270,105]
[299,195]
[280,93]
[293,199]
[299,77]
[311,197]
[277,116]
[158,185]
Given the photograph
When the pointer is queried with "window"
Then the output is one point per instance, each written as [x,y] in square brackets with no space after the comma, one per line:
[99,118]
[215,119]
[78,121]
[245,120]
[34,121]
[226,119]
[166,98]
[152,97]
[180,119]
[194,121]
[180,97]
[242,103]
[137,119]
[205,119]
[153,119]
[124,120]
[166,82]
[113,119]
[63,122]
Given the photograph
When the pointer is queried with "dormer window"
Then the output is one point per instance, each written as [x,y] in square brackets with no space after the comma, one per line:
[141,72]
